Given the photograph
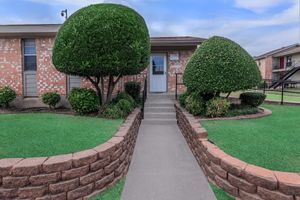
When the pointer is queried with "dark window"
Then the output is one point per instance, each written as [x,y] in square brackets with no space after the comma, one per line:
[289,61]
[158,65]
[30,63]
[29,55]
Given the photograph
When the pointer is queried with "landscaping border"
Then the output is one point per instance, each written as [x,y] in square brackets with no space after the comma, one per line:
[80,175]
[236,177]
[263,112]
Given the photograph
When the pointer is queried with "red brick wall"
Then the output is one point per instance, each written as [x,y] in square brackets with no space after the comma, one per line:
[11,64]
[48,78]
[177,67]
[266,67]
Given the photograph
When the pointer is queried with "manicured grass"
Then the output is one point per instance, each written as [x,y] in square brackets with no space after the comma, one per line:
[289,97]
[113,193]
[44,134]
[275,95]
[271,142]
[220,194]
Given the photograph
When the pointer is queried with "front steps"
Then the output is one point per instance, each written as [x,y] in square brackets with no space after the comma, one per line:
[159,110]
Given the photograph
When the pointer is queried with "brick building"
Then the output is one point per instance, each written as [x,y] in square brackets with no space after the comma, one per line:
[26,63]
[282,63]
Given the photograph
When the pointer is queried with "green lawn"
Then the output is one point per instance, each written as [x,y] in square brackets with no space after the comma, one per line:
[44,134]
[220,194]
[113,193]
[275,95]
[289,97]
[271,142]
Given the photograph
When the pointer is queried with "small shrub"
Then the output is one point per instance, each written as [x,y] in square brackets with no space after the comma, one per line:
[254,99]
[125,106]
[133,88]
[182,99]
[217,107]
[238,110]
[83,100]
[113,112]
[7,95]
[195,104]
[51,99]
[125,96]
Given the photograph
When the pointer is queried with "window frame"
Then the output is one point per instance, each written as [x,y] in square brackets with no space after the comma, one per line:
[28,54]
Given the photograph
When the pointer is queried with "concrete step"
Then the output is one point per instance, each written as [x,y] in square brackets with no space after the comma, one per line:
[161,115]
[159,121]
[159,109]
[159,101]
[156,96]
[155,104]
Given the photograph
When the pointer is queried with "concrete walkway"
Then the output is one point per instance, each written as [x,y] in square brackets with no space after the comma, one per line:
[163,167]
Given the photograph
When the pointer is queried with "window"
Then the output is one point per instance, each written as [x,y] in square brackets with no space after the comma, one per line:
[289,61]
[158,65]
[29,51]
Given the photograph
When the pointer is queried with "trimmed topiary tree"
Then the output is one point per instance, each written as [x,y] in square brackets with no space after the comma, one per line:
[221,65]
[102,41]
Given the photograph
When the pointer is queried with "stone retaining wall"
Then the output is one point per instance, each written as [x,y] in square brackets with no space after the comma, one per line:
[236,177]
[79,175]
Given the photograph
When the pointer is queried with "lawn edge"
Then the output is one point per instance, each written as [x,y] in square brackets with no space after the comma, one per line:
[71,176]
[236,177]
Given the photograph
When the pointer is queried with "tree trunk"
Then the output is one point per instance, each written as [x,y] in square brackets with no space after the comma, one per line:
[110,89]
[102,89]
[228,95]
[98,90]
[111,86]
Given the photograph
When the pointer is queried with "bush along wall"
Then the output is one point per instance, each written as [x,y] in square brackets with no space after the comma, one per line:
[236,177]
[80,175]
[218,66]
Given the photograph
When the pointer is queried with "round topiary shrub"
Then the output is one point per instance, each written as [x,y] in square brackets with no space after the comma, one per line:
[102,40]
[182,99]
[133,88]
[254,99]
[7,95]
[51,99]
[113,112]
[83,100]
[220,65]
[123,95]
[195,104]
[217,107]
[125,106]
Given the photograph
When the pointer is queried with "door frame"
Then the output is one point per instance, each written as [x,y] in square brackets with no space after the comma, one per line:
[165,54]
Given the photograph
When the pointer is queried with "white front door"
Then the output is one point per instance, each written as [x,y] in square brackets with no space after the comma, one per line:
[158,73]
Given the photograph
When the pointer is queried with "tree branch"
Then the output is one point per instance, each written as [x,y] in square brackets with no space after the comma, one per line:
[117,80]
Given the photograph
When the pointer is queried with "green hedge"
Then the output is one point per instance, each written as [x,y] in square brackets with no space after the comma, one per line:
[102,39]
[254,99]
[7,95]
[133,88]
[195,104]
[217,107]
[221,65]
[83,100]
[51,99]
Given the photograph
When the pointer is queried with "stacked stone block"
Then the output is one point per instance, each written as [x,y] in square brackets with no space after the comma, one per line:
[238,178]
[80,175]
